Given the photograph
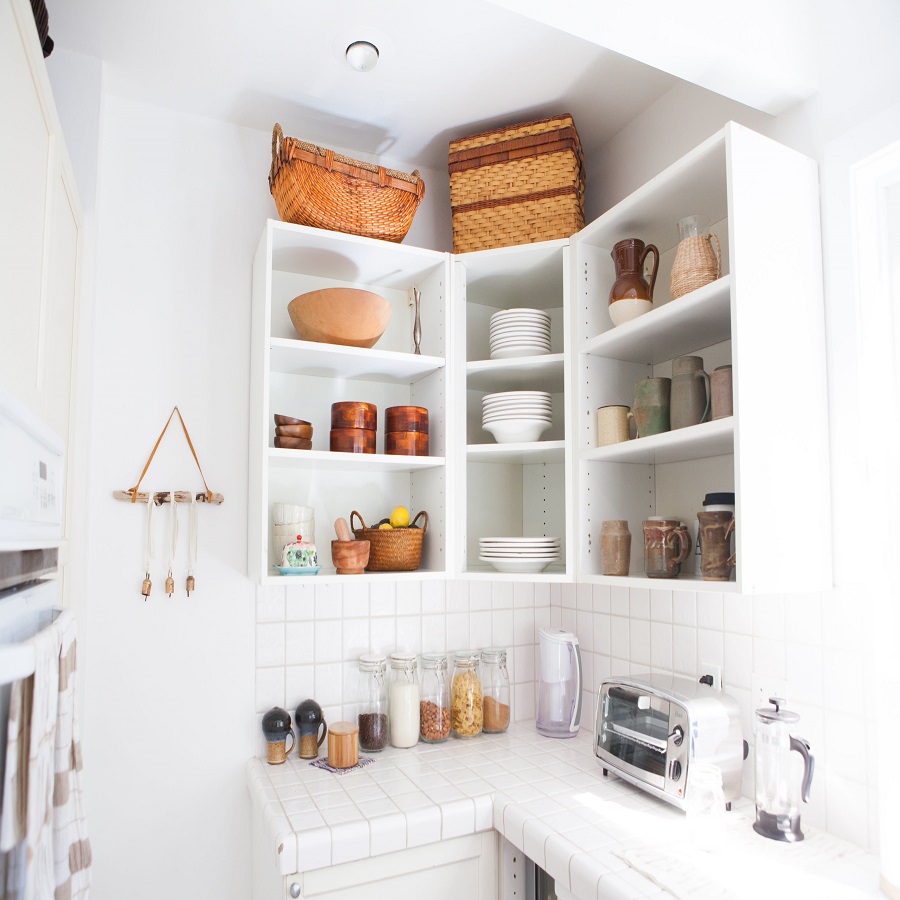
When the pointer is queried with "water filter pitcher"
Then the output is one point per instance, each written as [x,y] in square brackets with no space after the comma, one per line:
[559,691]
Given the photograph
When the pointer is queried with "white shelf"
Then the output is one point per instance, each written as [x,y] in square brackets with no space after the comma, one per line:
[520,373]
[333,460]
[707,439]
[328,575]
[536,452]
[554,573]
[691,322]
[295,357]
[687,583]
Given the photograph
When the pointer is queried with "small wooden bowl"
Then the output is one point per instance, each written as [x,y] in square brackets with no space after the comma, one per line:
[354,414]
[287,420]
[406,443]
[343,745]
[406,418]
[350,557]
[303,430]
[293,443]
[352,440]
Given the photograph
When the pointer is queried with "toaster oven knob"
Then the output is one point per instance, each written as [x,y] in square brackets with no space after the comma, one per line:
[674,770]
[677,735]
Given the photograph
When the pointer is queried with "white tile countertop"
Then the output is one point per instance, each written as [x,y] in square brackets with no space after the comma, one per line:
[595,835]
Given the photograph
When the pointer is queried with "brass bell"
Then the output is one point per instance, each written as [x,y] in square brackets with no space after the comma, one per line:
[190,584]
[145,587]
[170,584]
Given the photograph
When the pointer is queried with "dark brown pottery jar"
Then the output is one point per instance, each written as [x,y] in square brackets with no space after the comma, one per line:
[631,294]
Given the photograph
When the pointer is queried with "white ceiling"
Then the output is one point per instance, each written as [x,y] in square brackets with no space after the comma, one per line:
[447,69]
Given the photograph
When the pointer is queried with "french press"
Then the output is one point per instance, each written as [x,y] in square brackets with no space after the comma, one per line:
[777,801]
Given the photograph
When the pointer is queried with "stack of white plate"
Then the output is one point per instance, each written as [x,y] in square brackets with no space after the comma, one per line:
[519,554]
[516,416]
[519,332]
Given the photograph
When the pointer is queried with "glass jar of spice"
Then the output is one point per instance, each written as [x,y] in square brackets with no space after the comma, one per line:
[434,705]
[373,704]
[404,700]
[466,710]
[495,687]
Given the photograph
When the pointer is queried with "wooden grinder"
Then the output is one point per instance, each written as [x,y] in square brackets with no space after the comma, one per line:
[343,747]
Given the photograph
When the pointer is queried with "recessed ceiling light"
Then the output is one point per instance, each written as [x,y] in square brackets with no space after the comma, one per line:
[362,56]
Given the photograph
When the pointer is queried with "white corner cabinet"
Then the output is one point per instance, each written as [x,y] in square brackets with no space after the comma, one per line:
[765,317]
[302,379]
[513,489]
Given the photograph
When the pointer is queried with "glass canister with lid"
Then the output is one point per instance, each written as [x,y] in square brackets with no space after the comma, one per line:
[373,704]
[495,688]
[434,702]
[404,700]
[466,702]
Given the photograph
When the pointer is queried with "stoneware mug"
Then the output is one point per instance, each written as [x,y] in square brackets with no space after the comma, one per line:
[276,726]
[720,390]
[612,425]
[651,406]
[667,543]
[312,728]
[716,560]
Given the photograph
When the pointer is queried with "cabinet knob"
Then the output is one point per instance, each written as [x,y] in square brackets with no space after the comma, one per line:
[295,890]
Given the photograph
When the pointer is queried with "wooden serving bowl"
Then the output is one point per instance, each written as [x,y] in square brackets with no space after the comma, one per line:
[350,557]
[293,443]
[303,430]
[406,443]
[354,414]
[352,440]
[288,420]
[347,316]
[406,418]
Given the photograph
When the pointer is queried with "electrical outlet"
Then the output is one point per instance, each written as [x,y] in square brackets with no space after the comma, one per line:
[715,672]
[763,687]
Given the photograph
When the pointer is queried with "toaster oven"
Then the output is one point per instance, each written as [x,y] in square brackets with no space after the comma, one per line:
[652,729]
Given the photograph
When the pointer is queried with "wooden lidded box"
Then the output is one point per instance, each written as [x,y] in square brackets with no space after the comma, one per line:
[517,185]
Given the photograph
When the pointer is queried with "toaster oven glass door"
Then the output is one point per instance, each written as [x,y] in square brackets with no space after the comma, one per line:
[636,730]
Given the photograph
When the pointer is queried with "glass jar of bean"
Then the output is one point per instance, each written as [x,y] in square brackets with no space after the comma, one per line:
[434,705]
[466,709]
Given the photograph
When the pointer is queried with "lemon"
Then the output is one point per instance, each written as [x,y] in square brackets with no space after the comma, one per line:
[385,526]
[400,517]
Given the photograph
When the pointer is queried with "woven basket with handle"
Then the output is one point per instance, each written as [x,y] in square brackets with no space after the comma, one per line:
[318,187]
[517,185]
[394,549]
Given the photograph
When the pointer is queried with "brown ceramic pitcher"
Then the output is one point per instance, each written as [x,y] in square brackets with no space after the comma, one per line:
[631,294]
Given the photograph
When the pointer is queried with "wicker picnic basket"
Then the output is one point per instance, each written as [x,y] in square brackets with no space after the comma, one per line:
[318,187]
[517,185]
[394,549]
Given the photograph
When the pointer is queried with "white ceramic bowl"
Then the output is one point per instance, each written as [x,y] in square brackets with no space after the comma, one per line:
[521,431]
[523,566]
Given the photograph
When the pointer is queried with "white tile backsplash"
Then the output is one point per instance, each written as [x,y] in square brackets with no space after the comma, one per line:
[309,638]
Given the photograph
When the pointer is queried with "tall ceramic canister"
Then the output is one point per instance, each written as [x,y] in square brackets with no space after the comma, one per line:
[689,404]
[631,294]
[698,259]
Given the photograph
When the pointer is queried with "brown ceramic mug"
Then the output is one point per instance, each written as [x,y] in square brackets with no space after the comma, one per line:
[667,543]
[716,560]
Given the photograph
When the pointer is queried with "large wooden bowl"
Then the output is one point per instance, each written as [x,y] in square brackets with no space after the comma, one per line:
[345,316]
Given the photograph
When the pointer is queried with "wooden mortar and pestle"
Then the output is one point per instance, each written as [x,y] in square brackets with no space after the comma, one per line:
[349,557]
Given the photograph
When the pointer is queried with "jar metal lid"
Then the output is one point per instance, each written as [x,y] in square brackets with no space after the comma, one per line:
[466,657]
[494,655]
[434,660]
[372,663]
[403,661]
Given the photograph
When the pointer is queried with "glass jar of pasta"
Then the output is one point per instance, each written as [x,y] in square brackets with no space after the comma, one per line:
[434,705]
[466,707]
[495,687]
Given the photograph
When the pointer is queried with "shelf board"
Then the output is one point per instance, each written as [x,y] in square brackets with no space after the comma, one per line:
[330,576]
[554,573]
[687,583]
[714,438]
[294,357]
[536,452]
[692,322]
[357,462]
[520,373]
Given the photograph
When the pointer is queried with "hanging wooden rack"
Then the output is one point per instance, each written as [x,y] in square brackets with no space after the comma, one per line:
[135,495]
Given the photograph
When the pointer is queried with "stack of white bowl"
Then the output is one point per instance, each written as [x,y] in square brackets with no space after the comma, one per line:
[519,554]
[514,417]
[519,332]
